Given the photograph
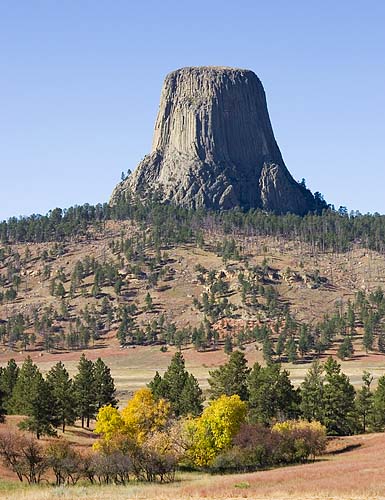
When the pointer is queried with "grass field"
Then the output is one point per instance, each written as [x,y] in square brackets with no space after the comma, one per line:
[356,470]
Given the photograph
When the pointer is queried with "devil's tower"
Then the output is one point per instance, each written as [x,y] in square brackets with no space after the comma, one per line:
[214,147]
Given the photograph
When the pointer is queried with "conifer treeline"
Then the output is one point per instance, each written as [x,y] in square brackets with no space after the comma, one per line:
[56,400]
[329,230]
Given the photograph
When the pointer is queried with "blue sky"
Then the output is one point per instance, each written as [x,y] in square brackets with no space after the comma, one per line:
[80,85]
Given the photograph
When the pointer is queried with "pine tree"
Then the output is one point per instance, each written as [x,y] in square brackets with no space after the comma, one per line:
[191,398]
[272,395]
[364,402]
[156,386]
[148,302]
[61,388]
[179,387]
[338,400]
[84,390]
[104,385]
[228,346]
[25,389]
[291,350]
[368,337]
[42,418]
[230,378]
[267,350]
[280,345]
[3,410]
[346,349]
[381,342]
[304,341]
[174,381]
[8,380]
[312,393]
[378,416]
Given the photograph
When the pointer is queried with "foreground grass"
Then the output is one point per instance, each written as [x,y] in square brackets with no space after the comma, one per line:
[351,476]
[355,471]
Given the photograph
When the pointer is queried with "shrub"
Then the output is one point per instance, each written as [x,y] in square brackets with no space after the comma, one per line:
[300,440]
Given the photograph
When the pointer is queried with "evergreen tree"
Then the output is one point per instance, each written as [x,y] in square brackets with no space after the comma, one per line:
[179,387]
[191,398]
[149,305]
[42,418]
[104,385]
[61,388]
[267,350]
[291,350]
[346,349]
[338,400]
[312,393]
[381,342]
[364,402]
[304,341]
[228,346]
[368,337]
[156,386]
[230,378]
[25,389]
[378,416]
[272,395]
[84,390]
[280,345]
[3,410]
[8,380]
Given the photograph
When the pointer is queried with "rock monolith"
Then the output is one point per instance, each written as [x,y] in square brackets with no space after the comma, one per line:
[214,147]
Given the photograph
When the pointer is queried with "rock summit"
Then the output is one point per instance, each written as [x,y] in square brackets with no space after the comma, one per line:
[214,147]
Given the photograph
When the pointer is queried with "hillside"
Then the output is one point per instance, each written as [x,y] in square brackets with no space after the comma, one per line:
[122,290]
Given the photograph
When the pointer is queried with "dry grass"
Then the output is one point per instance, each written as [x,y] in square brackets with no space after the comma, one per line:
[355,474]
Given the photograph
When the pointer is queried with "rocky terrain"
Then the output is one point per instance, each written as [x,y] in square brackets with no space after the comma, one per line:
[214,147]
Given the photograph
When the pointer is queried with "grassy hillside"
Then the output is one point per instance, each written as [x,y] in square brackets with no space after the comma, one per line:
[129,289]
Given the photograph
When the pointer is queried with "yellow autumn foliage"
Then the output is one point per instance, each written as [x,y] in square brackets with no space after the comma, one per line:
[142,416]
[292,425]
[214,430]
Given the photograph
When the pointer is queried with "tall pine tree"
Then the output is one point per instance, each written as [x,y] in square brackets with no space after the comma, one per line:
[84,390]
[8,379]
[104,386]
[338,400]
[230,378]
[179,387]
[42,417]
[364,403]
[312,393]
[25,389]
[272,395]
[62,390]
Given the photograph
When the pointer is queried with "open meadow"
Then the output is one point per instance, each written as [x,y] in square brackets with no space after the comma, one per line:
[353,468]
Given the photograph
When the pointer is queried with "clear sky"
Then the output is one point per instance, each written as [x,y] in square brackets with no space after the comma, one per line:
[81,79]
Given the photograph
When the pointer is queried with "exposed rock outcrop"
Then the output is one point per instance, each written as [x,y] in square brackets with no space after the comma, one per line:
[214,147]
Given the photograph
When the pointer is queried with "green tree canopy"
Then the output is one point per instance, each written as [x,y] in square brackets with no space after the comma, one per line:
[338,400]
[272,395]
[84,390]
[62,390]
[104,385]
[230,378]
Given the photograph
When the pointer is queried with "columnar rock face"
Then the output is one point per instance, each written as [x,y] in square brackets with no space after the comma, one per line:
[214,147]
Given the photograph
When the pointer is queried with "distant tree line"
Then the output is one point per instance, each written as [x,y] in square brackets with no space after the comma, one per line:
[327,229]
